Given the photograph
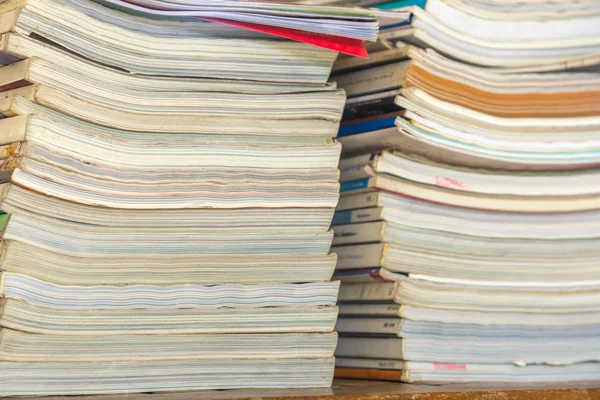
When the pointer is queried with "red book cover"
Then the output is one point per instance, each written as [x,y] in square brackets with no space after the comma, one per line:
[353,47]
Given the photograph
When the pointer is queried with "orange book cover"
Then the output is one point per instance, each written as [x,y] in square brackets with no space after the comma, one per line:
[369,374]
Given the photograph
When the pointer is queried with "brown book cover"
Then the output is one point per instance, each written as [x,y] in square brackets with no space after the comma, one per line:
[369,374]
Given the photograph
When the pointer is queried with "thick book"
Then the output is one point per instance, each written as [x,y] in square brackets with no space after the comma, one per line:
[45,294]
[561,43]
[554,320]
[421,170]
[18,346]
[460,198]
[146,269]
[154,47]
[410,329]
[80,240]
[467,349]
[472,139]
[43,320]
[42,137]
[107,377]
[186,118]
[421,214]
[474,297]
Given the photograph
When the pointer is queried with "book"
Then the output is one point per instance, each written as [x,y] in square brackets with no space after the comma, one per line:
[26,347]
[368,374]
[377,79]
[150,377]
[421,214]
[440,373]
[42,320]
[179,121]
[427,294]
[439,194]
[347,64]
[411,329]
[209,269]
[371,105]
[445,316]
[159,51]
[418,169]
[495,351]
[462,32]
[370,364]
[36,292]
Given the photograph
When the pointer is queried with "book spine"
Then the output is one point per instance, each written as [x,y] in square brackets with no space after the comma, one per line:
[366,126]
[382,310]
[15,75]
[364,278]
[371,108]
[356,161]
[369,141]
[377,79]
[6,57]
[358,216]
[368,374]
[361,256]
[354,173]
[387,326]
[357,185]
[384,291]
[370,347]
[8,99]
[358,201]
[369,363]
[368,232]
[13,130]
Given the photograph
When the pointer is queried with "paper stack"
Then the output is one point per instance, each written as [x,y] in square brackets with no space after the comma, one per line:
[170,184]
[468,232]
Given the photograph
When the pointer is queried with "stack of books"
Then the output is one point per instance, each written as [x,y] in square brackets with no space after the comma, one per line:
[169,184]
[468,231]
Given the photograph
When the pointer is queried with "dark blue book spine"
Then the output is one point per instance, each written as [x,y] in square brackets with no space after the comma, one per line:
[362,127]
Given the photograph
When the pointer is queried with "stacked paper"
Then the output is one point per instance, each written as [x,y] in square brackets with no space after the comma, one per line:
[169,183]
[468,231]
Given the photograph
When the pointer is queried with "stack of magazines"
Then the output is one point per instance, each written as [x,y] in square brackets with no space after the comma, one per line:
[468,231]
[169,187]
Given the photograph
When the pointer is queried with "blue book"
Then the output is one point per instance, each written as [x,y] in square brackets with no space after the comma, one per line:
[367,126]
[355,185]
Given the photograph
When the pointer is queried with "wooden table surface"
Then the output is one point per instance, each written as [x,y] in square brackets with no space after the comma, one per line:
[367,390]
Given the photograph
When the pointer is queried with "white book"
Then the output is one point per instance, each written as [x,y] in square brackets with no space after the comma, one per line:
[518,351]
[462,297]
[348,63]
[18,346]
[381,326]
[355,257]
[46,294]
[351,362]
[351,201]
[444,316]
[453,372]
[156,47]
[123,116]
[164,321]
[376,79]
[107,377]
[210,269]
